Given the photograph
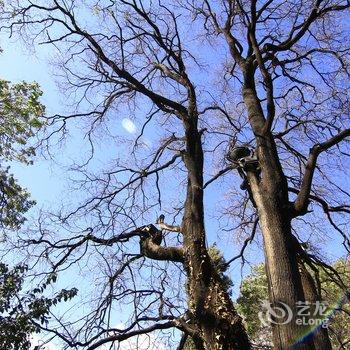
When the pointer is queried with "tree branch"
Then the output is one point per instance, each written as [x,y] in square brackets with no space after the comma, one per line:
[156,252]
[301,203]
[121,337]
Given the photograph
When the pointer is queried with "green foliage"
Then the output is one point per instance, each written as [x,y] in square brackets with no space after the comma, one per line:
[221,267]
[14,325]
[254,290]
[14,201]
[332,294]
[21,312]
[20,117]
[189,345]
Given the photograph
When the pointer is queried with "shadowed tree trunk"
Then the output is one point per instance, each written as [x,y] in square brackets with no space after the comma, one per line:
[269,189]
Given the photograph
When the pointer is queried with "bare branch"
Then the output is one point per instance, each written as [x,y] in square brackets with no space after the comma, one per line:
[301,202]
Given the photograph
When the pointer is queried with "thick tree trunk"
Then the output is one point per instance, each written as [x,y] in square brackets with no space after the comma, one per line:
[268,186]
[281,262]
[284,278]
[219,325]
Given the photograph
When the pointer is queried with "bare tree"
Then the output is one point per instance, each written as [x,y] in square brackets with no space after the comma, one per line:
[273,76]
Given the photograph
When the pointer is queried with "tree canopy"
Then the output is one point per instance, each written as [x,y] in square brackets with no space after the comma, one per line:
[20,112]
[24,312]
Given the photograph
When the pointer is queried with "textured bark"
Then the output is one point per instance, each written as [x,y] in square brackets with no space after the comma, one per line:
[214,313]
[283,275]
[287,283]
[281,262]
[269,190]
[154,251]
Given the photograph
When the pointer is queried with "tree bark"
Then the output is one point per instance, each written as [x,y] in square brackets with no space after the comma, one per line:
[214,313]
[269,189]
[281,262]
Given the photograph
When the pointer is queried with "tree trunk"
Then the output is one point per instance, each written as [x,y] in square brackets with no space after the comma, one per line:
[281,261]
[219,325]
[268,186]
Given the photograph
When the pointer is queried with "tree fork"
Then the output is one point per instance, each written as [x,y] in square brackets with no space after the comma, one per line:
[270,193]
[220,325]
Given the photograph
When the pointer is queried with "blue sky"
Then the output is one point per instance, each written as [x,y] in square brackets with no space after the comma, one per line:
[47,180]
